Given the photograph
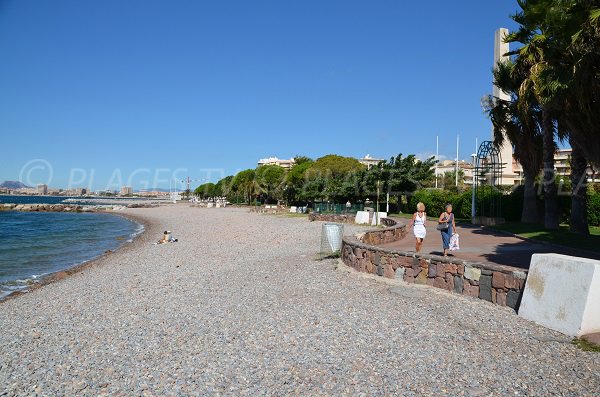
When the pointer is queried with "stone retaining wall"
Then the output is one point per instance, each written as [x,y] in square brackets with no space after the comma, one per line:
[502,285]
[393,232]
[336,218]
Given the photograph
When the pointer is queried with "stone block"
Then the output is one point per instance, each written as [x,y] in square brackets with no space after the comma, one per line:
[498,280]
[421,277]
[486,272]
[380,270]
[501,298]
[485,288]
[472,273]
[514,280]
[449,282]
[460,269]
[458,284]
[409,272]
[563,293]
[512,299]
[439,282]
[377,259]
[432,270]
[400,273]
[362,218]
[471,290]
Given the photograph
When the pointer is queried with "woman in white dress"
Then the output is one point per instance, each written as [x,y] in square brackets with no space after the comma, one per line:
[418,223]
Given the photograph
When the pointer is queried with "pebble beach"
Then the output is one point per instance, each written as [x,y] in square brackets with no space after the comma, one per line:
[241,306]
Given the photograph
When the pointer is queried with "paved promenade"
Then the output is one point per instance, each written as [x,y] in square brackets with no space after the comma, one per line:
[240,307]
[479,244]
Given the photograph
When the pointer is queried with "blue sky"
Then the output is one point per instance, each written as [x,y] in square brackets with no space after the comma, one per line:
[133,92]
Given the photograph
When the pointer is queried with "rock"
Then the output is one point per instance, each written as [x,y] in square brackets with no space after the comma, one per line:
[400,273]
[512,281]
[432,270]
[472,273]
[501,298]
[458,284]
[512,299]
[498,280]
[471,290]
[485,288]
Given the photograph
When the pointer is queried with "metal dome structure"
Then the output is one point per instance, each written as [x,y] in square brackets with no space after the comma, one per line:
[487,177]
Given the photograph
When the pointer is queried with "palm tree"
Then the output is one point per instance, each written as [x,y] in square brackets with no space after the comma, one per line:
[539,59]
[520,120]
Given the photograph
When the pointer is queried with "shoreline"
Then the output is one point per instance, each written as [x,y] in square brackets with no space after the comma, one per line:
[88,264]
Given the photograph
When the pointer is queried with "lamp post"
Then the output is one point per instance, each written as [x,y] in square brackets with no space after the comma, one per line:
[474,173]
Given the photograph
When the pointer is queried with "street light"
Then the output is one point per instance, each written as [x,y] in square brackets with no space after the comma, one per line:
[474,173]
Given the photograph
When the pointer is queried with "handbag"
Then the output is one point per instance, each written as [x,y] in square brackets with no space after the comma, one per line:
[444,226]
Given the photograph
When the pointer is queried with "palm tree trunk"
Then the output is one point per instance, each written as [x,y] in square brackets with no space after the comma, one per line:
[530,208]
[551,219]
[578,221]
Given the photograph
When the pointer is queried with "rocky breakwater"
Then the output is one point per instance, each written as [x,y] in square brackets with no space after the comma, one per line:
[69,207]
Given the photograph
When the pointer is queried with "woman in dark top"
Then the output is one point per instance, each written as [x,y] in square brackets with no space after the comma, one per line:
[447,218]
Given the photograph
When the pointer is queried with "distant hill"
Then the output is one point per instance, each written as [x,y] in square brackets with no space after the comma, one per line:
[13,185]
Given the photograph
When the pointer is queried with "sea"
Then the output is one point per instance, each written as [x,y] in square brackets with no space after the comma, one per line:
[33,245]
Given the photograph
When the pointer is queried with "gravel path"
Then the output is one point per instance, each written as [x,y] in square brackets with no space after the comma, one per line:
[240,307]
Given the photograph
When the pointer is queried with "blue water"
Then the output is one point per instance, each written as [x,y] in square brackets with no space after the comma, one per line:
[31,199]
[35,244]
[5,199]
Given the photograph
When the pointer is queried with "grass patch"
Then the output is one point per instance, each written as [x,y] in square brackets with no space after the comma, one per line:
[559,237]
[585,345]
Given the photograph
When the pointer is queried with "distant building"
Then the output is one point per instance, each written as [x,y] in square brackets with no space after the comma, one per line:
[369,161]
[450,166]
[126,191]
[42,189]
[287,164]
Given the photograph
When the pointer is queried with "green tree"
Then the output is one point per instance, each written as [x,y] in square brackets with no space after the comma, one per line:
[244,184]
[295,182]
[223,187]
[399,176]
[270,180]
[537,59]
[561,58]
[331,178]
[205,191]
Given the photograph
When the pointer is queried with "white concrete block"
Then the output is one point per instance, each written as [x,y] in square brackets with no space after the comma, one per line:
[563,293]
[377,218]
[293,209]
[362,218]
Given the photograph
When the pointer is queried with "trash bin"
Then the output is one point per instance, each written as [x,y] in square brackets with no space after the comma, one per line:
[331,239]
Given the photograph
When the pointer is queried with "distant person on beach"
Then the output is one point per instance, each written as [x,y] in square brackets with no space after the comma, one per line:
[165,238]
[418,224]
[447,227]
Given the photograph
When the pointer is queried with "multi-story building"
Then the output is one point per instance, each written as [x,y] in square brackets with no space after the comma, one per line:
[42,189]
[562,168]
[126,191]
[287,164]
[445,166]
[369,161]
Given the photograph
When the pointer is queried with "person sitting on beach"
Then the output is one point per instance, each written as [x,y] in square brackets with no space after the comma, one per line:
[171,238]
[165,238]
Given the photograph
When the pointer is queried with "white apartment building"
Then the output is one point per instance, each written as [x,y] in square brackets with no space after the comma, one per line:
[287,164]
